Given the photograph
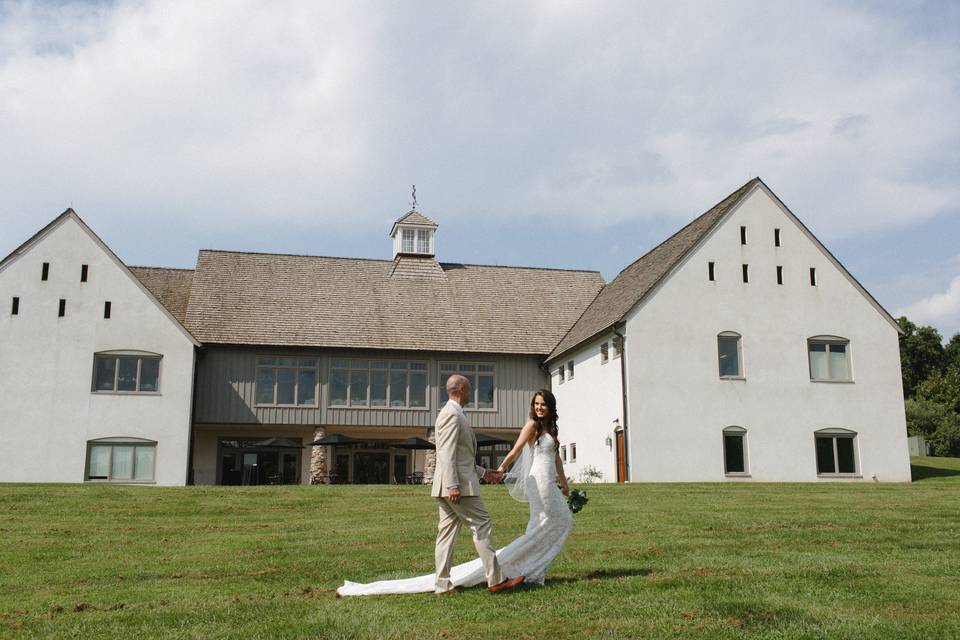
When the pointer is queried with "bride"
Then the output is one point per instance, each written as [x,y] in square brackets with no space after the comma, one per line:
[533,479]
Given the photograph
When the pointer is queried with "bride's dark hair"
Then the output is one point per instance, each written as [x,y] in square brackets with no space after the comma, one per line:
[548,423]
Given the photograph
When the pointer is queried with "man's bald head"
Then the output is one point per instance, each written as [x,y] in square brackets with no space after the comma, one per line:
[458,388]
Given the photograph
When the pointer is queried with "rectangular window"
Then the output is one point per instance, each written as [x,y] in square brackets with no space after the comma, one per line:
[126,373]
[15,308]
[836,454]
[570,370]
[62,310]
[381,384]
[734,460]
[779,274]
[813,276]
[743,235]
[423,241]
[483,381]
[617,346]
[106,309]
[604,353]
[573,452]
[45,271]
[408,235]
[563,452]
[710,273]
[561,373]
[286,381]
[83,273]
[728,351]
[746,273]
[776,237]
[829,360]
[122,462]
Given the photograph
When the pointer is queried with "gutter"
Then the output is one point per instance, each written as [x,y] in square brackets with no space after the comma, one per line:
[198,354]
[623,393]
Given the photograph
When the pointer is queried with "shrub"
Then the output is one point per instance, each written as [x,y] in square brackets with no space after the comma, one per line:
[590,474]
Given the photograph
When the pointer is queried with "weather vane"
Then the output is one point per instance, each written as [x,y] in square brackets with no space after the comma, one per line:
[413,205]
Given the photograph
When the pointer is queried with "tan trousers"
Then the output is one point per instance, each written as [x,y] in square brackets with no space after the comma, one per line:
[472,512]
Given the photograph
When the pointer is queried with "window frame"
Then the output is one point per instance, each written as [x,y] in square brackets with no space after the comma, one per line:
[562,373]
[573,452]
[728,335]
[371,369]
[835,434]
[829,341]
[474,404]
[569,369]
[129,353]
[296,380]
[617,343]
[736,431]
[604,352]
[113,442]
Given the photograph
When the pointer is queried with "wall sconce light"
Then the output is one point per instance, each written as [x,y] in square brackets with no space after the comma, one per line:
[609,442]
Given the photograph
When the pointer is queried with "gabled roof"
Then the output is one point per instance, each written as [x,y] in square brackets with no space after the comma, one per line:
[638,280]
[170,286]
[314,301]
[415,218]
[70,214]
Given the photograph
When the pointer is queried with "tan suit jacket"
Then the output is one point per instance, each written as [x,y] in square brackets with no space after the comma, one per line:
[456,455]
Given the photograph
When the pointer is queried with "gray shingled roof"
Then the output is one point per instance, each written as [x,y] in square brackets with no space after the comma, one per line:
[270,299]
[633,283]
[170,286]
[413,217]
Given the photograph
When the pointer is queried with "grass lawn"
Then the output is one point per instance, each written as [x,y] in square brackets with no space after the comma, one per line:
[644,561]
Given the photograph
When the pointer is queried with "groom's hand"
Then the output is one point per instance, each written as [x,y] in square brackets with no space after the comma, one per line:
[454,495]
[492,477]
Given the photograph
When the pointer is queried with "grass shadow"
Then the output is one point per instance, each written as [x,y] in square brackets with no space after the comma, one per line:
[921,472]
[603,574]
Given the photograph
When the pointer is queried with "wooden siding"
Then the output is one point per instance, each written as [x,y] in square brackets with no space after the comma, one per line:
[226,386]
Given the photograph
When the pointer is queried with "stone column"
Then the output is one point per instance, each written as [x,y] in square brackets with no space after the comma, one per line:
[430,458]
[318,458]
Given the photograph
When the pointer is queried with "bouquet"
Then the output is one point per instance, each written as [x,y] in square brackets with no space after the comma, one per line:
[576,500]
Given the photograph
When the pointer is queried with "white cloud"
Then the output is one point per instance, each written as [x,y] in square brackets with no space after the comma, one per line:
[301,112]
[941,310]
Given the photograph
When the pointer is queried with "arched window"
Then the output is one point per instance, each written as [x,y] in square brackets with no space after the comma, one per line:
[730,354]
[126,372]
[836,450]
[121,460]
[735,451]
[829,359]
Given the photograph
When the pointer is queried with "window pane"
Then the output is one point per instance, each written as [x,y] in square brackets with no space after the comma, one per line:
[267,361]
[485,367]
[287,362]
[423,241]
[485,392]
[105,368]
[338,388]
[418,366]
[149,374]
[307,387]
[379,364]
[467,367]
[418,389]
[340,363]
[733,453]
[308,362]
[729,359]
[378,389]
[398,389]
[285,389]
[407,241]
[359,364]
[127,374]
[846,462]
[122,468]
[442,396]
[838,362]
[448,366]
[144,467]
[266,378]
[818,362]
[825,455]
[99,462]
[358,388]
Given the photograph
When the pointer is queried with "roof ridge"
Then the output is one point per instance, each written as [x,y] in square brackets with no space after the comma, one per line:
[141,266]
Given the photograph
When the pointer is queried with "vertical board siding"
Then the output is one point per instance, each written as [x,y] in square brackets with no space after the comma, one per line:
[226,385]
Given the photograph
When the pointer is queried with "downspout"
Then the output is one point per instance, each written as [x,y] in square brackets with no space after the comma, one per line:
[623,393]
[197,356]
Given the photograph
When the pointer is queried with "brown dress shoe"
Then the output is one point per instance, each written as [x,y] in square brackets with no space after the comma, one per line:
[506,585]
[452,591]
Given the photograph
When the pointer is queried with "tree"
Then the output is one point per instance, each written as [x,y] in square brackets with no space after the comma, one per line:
[945,441]
[925,416]
[943,388]
[921,354]
[951,353]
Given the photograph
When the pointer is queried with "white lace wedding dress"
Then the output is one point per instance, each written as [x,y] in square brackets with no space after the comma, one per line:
[529,555]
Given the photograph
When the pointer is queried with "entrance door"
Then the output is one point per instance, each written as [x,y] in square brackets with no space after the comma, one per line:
[400,469]
[371,468]
[621,459]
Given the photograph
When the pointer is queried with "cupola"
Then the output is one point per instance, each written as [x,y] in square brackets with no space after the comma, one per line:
[413,234]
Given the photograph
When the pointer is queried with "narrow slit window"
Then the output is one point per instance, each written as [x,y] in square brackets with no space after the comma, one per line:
[45,271]
[106,309]
[710,273]
[779,274]
[776,237]
[63,308]
[746,273]
[83,272]
[15,309]
[813,276]
[743,235]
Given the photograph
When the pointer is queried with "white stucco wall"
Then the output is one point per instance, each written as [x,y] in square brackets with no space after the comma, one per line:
[678,404]
[49,412]
[587,405]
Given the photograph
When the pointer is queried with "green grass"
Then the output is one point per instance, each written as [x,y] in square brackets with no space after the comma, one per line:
[644,561]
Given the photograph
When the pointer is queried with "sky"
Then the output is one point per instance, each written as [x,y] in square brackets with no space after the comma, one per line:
[556,133]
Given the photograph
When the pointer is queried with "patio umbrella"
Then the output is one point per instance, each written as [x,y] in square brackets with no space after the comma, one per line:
[414,443]
[282,443]
[334,438]
[483,440]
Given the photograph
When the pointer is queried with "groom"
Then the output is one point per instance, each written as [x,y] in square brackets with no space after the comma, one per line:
[456,482]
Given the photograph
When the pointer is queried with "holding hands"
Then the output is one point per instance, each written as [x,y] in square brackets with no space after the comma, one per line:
[491,476]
